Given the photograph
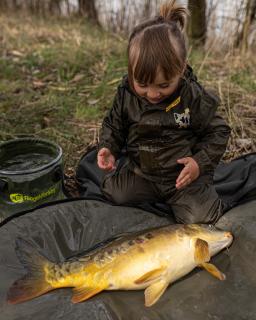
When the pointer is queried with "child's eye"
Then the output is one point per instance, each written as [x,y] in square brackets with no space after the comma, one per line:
[163,86]
[142,85]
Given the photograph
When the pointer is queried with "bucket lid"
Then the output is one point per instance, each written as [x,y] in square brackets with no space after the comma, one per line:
[18,144]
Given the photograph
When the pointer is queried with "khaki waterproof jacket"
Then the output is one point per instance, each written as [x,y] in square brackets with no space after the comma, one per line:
[157,135]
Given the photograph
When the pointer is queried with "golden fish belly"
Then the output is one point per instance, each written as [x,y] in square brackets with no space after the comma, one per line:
[118,267]
[172,259]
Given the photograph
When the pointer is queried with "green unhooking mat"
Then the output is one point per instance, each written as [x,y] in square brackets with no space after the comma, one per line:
[59,231]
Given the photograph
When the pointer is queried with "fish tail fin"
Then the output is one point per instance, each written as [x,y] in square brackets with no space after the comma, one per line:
[33,284]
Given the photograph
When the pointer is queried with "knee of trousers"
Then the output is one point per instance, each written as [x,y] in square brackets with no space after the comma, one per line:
[190,219]
[111,193]
[196,215]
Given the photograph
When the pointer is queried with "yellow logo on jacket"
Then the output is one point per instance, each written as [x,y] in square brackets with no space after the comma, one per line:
[173,104]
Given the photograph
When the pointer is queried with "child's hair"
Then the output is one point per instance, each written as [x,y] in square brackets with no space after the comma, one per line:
[158,43]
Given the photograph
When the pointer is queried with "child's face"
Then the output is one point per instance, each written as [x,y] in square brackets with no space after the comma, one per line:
[157,91]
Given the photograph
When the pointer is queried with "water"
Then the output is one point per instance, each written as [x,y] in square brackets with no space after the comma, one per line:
[28,161]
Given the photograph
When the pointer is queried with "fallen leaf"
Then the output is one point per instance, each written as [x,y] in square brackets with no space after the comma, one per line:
[81,94]
[113,81]
[46,122]
[93,101]
[77,77]
[246,143]
[38,84]
[16,53]
[49,77]
[62,89]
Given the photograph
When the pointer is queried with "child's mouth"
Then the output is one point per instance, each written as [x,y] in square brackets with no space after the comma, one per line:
[155,100]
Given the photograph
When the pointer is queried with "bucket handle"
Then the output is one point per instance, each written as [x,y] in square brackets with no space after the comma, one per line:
[3,185]
[57,174]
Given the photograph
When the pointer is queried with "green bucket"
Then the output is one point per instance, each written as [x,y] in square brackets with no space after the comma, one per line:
[31,173]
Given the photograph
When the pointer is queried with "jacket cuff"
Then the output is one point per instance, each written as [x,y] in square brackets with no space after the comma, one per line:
[204,162]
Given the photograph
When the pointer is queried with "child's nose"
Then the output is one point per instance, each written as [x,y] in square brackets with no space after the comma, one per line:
[153,94]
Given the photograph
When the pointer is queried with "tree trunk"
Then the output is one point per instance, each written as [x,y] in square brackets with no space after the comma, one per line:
[147,9]
[68,6]
[248,20]
[54,7]
[3,5]
[87,8]
[14,5]
[253,11]
[197,28]
[34,7]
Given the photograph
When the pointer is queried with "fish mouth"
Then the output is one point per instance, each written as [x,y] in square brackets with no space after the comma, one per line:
[229,239]
[225,242]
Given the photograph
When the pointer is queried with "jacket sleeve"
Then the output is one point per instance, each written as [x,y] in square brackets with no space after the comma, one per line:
[113,131]
[211,131]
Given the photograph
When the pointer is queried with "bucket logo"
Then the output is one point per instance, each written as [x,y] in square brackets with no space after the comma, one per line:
[16,198]
[20,198]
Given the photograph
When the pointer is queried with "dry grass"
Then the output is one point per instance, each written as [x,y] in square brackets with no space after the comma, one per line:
[233,77]
[56,80]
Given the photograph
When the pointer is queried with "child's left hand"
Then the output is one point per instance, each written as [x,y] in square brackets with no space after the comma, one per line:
[188,174]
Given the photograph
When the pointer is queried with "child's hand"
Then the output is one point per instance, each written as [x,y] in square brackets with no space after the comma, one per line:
[106,160]
[189,173]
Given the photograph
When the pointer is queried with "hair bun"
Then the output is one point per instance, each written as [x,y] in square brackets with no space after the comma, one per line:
[160,19]
[172,12]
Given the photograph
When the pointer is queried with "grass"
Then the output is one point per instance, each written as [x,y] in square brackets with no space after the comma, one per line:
[58,77]
[55,80]
[245,78]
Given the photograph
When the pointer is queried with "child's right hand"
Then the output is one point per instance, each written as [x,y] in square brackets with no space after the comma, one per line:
[106,160]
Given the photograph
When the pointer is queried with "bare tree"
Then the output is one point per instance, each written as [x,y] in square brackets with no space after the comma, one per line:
[253,11]
[3,5]
[87,8]
[34,6]
[147,8]
[54,6]
[250,17]
[197,27]
[68,6]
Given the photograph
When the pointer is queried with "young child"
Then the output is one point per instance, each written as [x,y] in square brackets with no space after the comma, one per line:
[168,123]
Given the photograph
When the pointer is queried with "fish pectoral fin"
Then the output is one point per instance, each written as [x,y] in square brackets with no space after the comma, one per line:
[154,292]
[201,253]
[213,270]
[84,293]
[151,275]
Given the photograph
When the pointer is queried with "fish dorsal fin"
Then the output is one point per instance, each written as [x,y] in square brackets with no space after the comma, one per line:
[201,253]
[213,270]
[84,293]
[154,292]
[151,275]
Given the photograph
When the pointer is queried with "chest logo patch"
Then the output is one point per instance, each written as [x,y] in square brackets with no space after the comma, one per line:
[182,119]
[173,104]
